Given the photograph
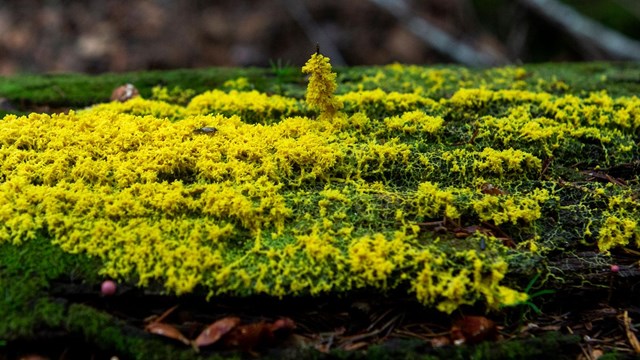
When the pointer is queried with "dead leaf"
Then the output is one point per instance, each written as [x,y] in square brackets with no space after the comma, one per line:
[215,331]
[245,337]
[166,330]
[323,348]
[491,189]
[596,353]
[474,329]
[277,330]
[440,341]
[124,93]
[284,323]
[633,340]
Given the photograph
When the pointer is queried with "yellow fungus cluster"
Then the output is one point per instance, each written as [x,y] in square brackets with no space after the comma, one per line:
[378,101]
[247,104]
[322,85]
[415,121]
[621,225]
[453,203]
[240,192]
[509,208]
[548,122]
[439,280]
[489,160]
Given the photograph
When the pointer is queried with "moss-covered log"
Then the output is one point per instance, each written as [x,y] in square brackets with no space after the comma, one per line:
[454,187]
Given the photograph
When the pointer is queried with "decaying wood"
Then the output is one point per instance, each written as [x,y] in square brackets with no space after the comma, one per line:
[591,271]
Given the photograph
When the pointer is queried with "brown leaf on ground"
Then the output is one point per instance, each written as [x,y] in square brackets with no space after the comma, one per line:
[279,329]
[633,340]
[440,341]
[166,330]
[473,329]
[215,331]
[282,324]
[596,353]
[247,337]
[124,93]
[491,189]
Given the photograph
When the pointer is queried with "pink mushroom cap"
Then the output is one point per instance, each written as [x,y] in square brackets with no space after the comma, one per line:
[108,287]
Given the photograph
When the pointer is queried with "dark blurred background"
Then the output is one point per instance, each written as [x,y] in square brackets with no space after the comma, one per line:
[98,36]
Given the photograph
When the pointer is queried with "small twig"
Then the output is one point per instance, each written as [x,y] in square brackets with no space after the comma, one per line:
[155,320]
[545,165]
[302,16]
[603,176]
[359,337]
[633,340]
[379,319]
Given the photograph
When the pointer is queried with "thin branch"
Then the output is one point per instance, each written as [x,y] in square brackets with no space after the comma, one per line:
[436,38]
[616,45]
[302,16]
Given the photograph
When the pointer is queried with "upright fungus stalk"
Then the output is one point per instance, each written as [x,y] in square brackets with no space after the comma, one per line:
[322,85]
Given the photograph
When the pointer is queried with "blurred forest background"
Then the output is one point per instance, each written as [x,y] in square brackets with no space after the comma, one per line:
[96,36]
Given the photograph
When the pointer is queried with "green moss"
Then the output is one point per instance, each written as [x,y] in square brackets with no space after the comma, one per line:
[28,308]
[109,333]
[26,272]
[561,346]
[74,90]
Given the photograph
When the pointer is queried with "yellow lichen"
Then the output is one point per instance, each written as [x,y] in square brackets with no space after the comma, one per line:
[618,232]
[509,160]
[414,121]
[510,208]
[322,85]
[431,201]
